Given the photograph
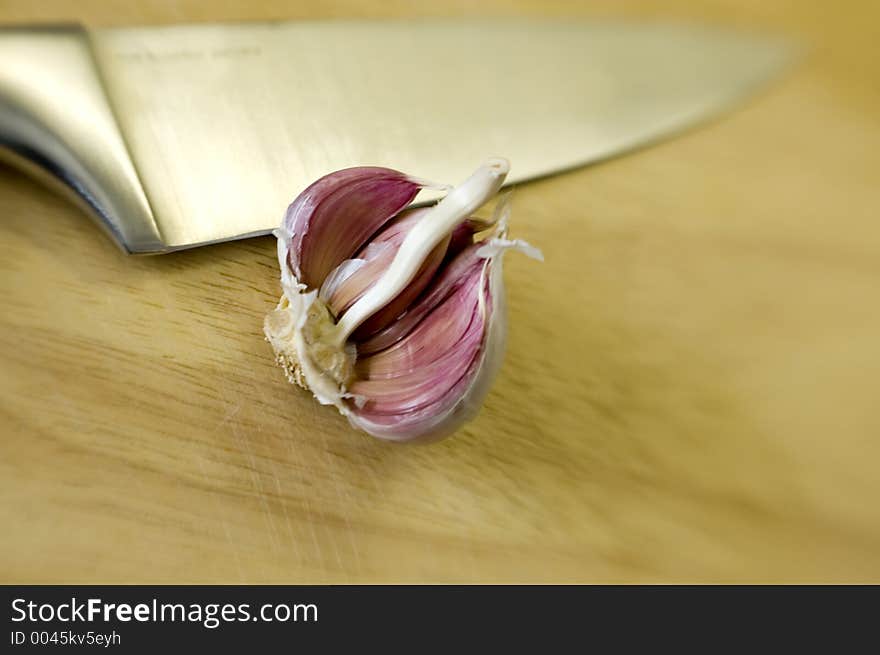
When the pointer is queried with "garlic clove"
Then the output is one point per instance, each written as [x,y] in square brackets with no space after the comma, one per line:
[332,219]
[436,376]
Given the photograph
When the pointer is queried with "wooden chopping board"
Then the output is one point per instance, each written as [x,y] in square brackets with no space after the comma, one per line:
[690,391]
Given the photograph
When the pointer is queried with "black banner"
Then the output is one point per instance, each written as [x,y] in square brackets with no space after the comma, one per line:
[147,618]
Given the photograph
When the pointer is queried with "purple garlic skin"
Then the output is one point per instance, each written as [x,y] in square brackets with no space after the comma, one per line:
[394,315]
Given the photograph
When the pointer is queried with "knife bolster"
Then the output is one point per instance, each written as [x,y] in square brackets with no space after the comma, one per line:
[57,124]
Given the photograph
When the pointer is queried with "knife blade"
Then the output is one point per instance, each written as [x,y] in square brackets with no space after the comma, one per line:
[178,136]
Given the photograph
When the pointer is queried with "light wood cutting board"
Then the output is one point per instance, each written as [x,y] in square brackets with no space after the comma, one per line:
[690,391]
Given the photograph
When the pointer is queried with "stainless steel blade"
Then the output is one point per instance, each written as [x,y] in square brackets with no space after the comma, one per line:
[184,135]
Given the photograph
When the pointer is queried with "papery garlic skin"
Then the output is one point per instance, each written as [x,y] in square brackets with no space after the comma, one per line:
[420,375]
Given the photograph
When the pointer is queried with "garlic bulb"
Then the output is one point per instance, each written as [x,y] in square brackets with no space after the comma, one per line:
[394,315]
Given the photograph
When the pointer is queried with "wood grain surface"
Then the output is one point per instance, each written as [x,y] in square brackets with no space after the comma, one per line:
[690,391]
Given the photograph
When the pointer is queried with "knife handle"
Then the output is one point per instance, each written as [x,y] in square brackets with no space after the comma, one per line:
[57,123]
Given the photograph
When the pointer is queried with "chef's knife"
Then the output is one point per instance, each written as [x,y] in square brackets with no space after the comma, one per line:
[185,135]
